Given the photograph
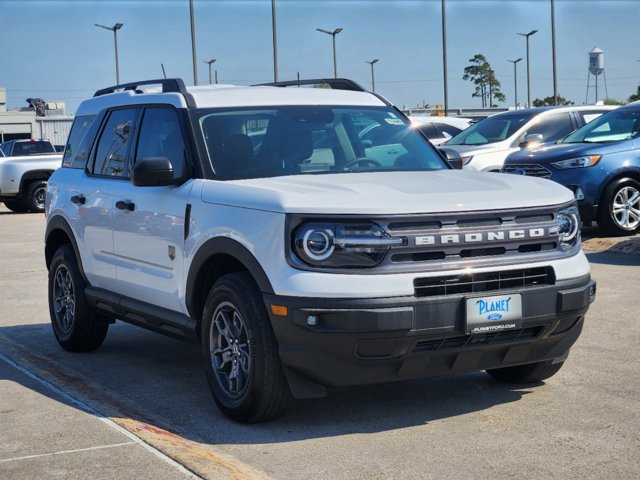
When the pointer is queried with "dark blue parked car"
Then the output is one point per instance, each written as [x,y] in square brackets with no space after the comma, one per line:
[600,163]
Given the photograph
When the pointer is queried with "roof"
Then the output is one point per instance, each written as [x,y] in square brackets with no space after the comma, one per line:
[225,96]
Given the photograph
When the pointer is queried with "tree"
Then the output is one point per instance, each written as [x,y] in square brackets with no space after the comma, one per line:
[612,101]
[634,97]
[480,73]
[548,102]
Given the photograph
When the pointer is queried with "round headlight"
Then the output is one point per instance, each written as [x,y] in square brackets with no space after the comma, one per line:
[318,244]
[568,227]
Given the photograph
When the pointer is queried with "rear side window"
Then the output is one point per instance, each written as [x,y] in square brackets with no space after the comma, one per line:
[76,150]
[160,136]
[429,130]
[449,129]
[553,127]
[114,146]
[588,116]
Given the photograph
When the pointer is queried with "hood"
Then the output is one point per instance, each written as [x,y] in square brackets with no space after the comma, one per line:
[387,193]
[553,153]
[466,150]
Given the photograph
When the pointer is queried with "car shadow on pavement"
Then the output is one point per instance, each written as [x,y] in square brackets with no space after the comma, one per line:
[160,381]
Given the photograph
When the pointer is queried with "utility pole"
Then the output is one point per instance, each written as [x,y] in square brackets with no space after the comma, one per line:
[527,35]
[114,29]
[553,52]
[444,58]
[275,42]
[515,79]
[333,34]
[193,43]
[373,78]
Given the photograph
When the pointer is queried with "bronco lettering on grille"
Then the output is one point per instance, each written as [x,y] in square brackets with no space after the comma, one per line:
[478,237]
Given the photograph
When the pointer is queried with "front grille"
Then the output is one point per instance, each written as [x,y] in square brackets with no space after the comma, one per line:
[469,341]
[484,282]
[531,170]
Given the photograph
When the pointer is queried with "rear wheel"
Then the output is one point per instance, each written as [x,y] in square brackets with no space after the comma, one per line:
[240,352]
[34,196]
[529,373]
[15,206]
[620,208]
[75,326]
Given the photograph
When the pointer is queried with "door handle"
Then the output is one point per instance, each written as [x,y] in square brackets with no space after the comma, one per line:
[78,199]
[125,205]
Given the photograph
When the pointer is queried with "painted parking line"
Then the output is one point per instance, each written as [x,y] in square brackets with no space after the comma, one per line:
[153,433]
[64,452]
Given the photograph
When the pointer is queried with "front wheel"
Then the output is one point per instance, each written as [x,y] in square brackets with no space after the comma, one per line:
[529,373]
[240,352]
[75,326]
[620,208]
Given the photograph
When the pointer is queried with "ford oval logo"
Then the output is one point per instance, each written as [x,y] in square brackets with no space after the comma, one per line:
[494,316]
[519,171]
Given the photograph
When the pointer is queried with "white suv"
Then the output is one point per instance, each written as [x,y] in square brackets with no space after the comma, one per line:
[258,222]
[486,144]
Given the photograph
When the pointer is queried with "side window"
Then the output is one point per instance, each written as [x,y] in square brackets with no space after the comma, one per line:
[429,130]
[112,153]
[588,116]
[553,127]
[449,129]
[74,148]
[160,136]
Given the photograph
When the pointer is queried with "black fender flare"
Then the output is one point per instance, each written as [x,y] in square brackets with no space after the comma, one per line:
[232,248]
[55,223]
[31,175]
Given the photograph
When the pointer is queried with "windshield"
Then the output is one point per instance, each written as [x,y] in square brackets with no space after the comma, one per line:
[492,129]
[294,140]
[613,126]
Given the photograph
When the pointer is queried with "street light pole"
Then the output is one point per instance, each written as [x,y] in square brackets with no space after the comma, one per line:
[515,78]
[527,35]
[209,62]
[373,78]
[333,34]
[444,57]
[553,52]
[275,42]
[114,29]
[193,43]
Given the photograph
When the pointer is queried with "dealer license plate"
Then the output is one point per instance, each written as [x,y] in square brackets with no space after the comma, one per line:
[493,314]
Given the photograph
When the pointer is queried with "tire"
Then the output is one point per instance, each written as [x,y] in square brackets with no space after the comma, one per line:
[240,352]
[619,212]
[34,196]
[529,373]
[75,327]
[15,206]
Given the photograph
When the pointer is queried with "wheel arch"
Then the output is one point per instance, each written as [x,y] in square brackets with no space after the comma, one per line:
[616,177]
[32,175]
[215,258]
[58,233]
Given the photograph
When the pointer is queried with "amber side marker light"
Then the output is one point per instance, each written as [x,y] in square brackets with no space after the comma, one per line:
[279,310]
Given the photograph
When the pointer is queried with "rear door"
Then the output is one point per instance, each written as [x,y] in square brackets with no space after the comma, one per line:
[149,222]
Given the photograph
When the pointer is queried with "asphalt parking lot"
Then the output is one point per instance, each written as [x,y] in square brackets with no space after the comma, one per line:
[140,408]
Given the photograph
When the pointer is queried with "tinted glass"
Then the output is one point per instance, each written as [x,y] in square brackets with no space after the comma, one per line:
[35,147]
[492,129]
[553,127]
[73,148]
[160,136]
[614,126]
[112,154]
[428,130]
[589,116]
[449,129]
[311,140]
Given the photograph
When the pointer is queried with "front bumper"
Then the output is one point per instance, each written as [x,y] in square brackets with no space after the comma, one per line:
[369,341]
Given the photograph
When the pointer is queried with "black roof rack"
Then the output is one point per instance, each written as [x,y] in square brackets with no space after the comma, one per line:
[169,85]
[334,83]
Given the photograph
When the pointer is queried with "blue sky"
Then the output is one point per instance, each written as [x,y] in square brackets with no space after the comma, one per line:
[51,49]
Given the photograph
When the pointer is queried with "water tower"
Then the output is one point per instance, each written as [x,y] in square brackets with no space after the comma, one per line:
[596,68]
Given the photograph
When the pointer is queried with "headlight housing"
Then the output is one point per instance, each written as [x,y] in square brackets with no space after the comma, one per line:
[568,220]
[578,162]
[342,245]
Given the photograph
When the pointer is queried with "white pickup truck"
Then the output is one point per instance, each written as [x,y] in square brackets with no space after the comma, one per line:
[23,180]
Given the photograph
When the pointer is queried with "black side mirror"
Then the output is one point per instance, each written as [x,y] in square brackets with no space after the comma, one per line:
[154,172]
[452,157]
